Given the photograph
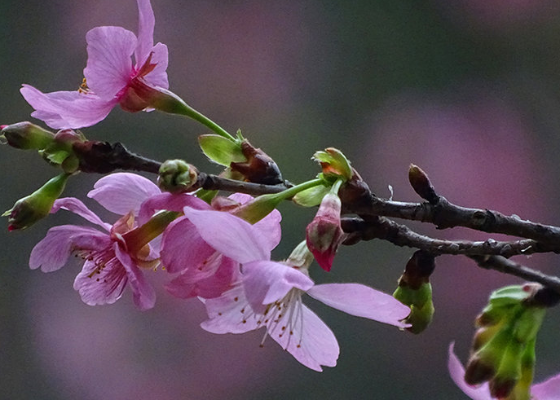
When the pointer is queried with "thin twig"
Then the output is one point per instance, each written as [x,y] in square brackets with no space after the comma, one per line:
[501,264]
[401,235]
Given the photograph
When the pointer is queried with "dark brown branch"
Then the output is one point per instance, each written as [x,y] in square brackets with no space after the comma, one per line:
[447,215]
[501,264]
[213,182]
[104,157]
[401,235]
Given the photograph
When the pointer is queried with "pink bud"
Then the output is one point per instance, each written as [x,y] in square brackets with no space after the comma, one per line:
[324,233]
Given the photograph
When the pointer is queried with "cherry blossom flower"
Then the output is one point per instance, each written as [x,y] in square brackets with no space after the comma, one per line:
[269,294]
[110,76]
[115,255]
[203,271]
[547,390]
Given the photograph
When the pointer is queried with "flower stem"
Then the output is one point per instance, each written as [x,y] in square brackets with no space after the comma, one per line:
[291,192]
[168,101]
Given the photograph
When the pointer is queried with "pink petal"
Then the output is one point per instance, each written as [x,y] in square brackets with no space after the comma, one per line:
[230,313]
[308,339]
[143,293]
[547,390]
[208,286]
[67,109]
[146,23]
[77,207]
[183,247]
[457,373]
[265,282]
[269,225]
[270,229]
[109,65]
[230,235]
[158,76]
[361,301]
[105,287]
[123,192]
[170,202]
[52,253]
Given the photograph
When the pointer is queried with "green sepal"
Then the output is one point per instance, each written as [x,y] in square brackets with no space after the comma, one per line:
[55,157]
[221,150]
[311,197]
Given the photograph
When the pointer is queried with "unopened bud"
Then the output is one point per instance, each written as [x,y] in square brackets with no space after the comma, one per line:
[259,167]
[334,163]
[478,371]
[37,205]
[421,184]
[324,234]
[415,290]
[25,136]
[176,176]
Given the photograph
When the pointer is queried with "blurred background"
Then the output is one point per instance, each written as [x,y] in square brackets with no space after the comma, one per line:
[467,89]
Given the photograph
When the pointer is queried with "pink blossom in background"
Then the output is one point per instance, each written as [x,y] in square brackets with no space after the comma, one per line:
[478,152]
[110,76]
[92,353]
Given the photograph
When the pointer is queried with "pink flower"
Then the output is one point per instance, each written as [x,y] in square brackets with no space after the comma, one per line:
[547,390]
[324,233]
[204,272]
[269,293]
[110,76]
[113,256]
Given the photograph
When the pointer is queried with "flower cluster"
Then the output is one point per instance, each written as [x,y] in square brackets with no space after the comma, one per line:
[212,255]
[217,249]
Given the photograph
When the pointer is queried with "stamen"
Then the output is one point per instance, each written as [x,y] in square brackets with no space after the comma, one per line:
[83,87]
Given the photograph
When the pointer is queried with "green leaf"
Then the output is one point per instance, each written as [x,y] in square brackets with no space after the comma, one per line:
[221,150]
[311,197]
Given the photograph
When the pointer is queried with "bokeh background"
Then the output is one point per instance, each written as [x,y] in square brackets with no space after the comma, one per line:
[467,89]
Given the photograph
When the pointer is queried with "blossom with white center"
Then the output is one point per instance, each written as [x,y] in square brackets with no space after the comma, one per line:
[110,76]
[269,294]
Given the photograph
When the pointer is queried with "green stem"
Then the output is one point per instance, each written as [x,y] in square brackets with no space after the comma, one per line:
[171,103]
[260,207]
[291,192]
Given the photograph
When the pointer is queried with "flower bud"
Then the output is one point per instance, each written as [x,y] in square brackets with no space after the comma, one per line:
[324,233]
[503,348]
[176,176]
[334,163]
[37,205]
[415,290]
[259,167]
[25,136]
[421,184]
